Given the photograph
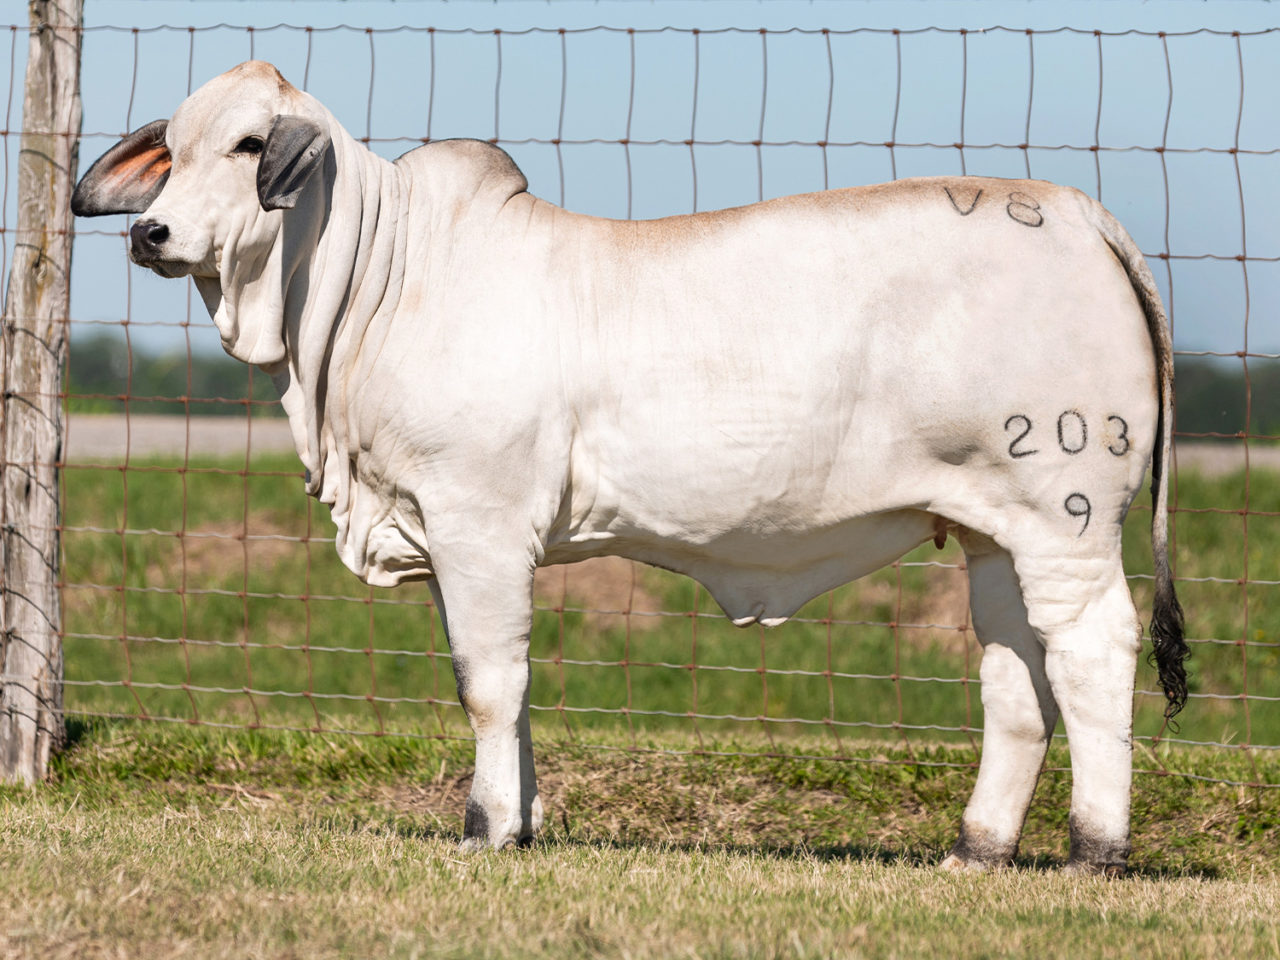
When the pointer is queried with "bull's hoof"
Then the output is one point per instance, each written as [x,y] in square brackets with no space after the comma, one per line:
[978,851]
[957,864]
[482,832]
[476,844]
[1084,868]
[1094,853]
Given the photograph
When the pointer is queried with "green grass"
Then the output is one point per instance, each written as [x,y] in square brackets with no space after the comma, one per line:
[220,608]
[161,840]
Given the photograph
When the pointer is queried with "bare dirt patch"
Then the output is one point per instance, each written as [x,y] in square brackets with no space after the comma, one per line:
[217,549]
[224,546]
[603,587]
[637,799]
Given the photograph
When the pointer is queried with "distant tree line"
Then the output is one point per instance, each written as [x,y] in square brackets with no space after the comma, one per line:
[1212,392]
[1214,395]
[103,369]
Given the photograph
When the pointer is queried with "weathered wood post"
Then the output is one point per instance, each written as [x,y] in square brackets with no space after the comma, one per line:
[31,358]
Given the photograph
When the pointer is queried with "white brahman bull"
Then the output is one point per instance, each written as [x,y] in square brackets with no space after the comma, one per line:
[774,400]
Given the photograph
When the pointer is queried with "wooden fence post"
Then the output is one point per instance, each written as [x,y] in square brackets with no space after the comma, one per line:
[32,349]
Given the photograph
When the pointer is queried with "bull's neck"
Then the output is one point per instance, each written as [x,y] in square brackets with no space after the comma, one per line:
[354,277]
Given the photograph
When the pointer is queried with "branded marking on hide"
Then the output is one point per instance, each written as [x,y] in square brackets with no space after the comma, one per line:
[1024,209]
[1078,505]
[1073,434]
[972,203]
[1124,436]
[1013,451]
[1065,432]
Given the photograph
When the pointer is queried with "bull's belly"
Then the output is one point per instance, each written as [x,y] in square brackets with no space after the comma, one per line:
[766,578]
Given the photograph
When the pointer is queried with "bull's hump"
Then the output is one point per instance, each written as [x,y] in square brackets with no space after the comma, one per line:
[465,167]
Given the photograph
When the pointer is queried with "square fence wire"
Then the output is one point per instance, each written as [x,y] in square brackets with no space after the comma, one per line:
[200,585]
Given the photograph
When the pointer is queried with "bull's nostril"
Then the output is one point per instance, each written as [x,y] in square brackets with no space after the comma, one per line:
[145,237]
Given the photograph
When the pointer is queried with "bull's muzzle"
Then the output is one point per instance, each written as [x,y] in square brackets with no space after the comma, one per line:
[146,241]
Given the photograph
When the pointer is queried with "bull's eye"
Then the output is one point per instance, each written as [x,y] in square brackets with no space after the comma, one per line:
[249,146]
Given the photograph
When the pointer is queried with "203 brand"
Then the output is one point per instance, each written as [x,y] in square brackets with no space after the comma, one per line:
[1072,434]
[1073,437]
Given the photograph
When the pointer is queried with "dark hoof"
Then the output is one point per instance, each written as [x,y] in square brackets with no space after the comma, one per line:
[977,850]
[1082,868]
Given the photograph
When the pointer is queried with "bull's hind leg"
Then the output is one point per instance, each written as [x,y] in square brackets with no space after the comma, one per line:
[1019,712]
[1080,606]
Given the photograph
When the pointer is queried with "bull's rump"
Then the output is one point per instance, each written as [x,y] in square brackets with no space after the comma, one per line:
[788,366]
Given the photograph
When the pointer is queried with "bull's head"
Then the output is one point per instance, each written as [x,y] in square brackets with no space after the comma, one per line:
[210,185]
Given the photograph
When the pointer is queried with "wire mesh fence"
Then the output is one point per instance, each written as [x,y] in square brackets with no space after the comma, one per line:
[200,585]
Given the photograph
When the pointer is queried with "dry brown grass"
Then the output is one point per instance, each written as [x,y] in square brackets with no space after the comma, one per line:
[163,843]
[235,881]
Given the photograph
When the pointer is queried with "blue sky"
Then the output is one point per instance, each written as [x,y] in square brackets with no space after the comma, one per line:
[401,83]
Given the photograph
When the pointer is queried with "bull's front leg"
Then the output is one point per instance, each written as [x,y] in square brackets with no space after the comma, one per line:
[487,610]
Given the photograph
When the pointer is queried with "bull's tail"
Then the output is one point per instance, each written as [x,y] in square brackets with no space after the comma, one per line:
[1169,648]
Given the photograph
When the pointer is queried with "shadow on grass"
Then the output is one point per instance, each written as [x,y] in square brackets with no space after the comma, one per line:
[920,856]
[373,789]
[77,730]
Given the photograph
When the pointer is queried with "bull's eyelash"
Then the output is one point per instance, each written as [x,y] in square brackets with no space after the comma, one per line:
[249,146]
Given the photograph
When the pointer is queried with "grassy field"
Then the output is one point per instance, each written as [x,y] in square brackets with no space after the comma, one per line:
[163,841]
[667,835]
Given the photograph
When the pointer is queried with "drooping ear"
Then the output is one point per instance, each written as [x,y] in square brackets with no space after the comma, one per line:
[128,177]
[294,150]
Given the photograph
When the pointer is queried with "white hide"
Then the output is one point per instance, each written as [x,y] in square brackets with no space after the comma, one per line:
[773,399]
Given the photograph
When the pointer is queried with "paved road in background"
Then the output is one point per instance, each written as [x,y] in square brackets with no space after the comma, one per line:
[93,438]
[106,437]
